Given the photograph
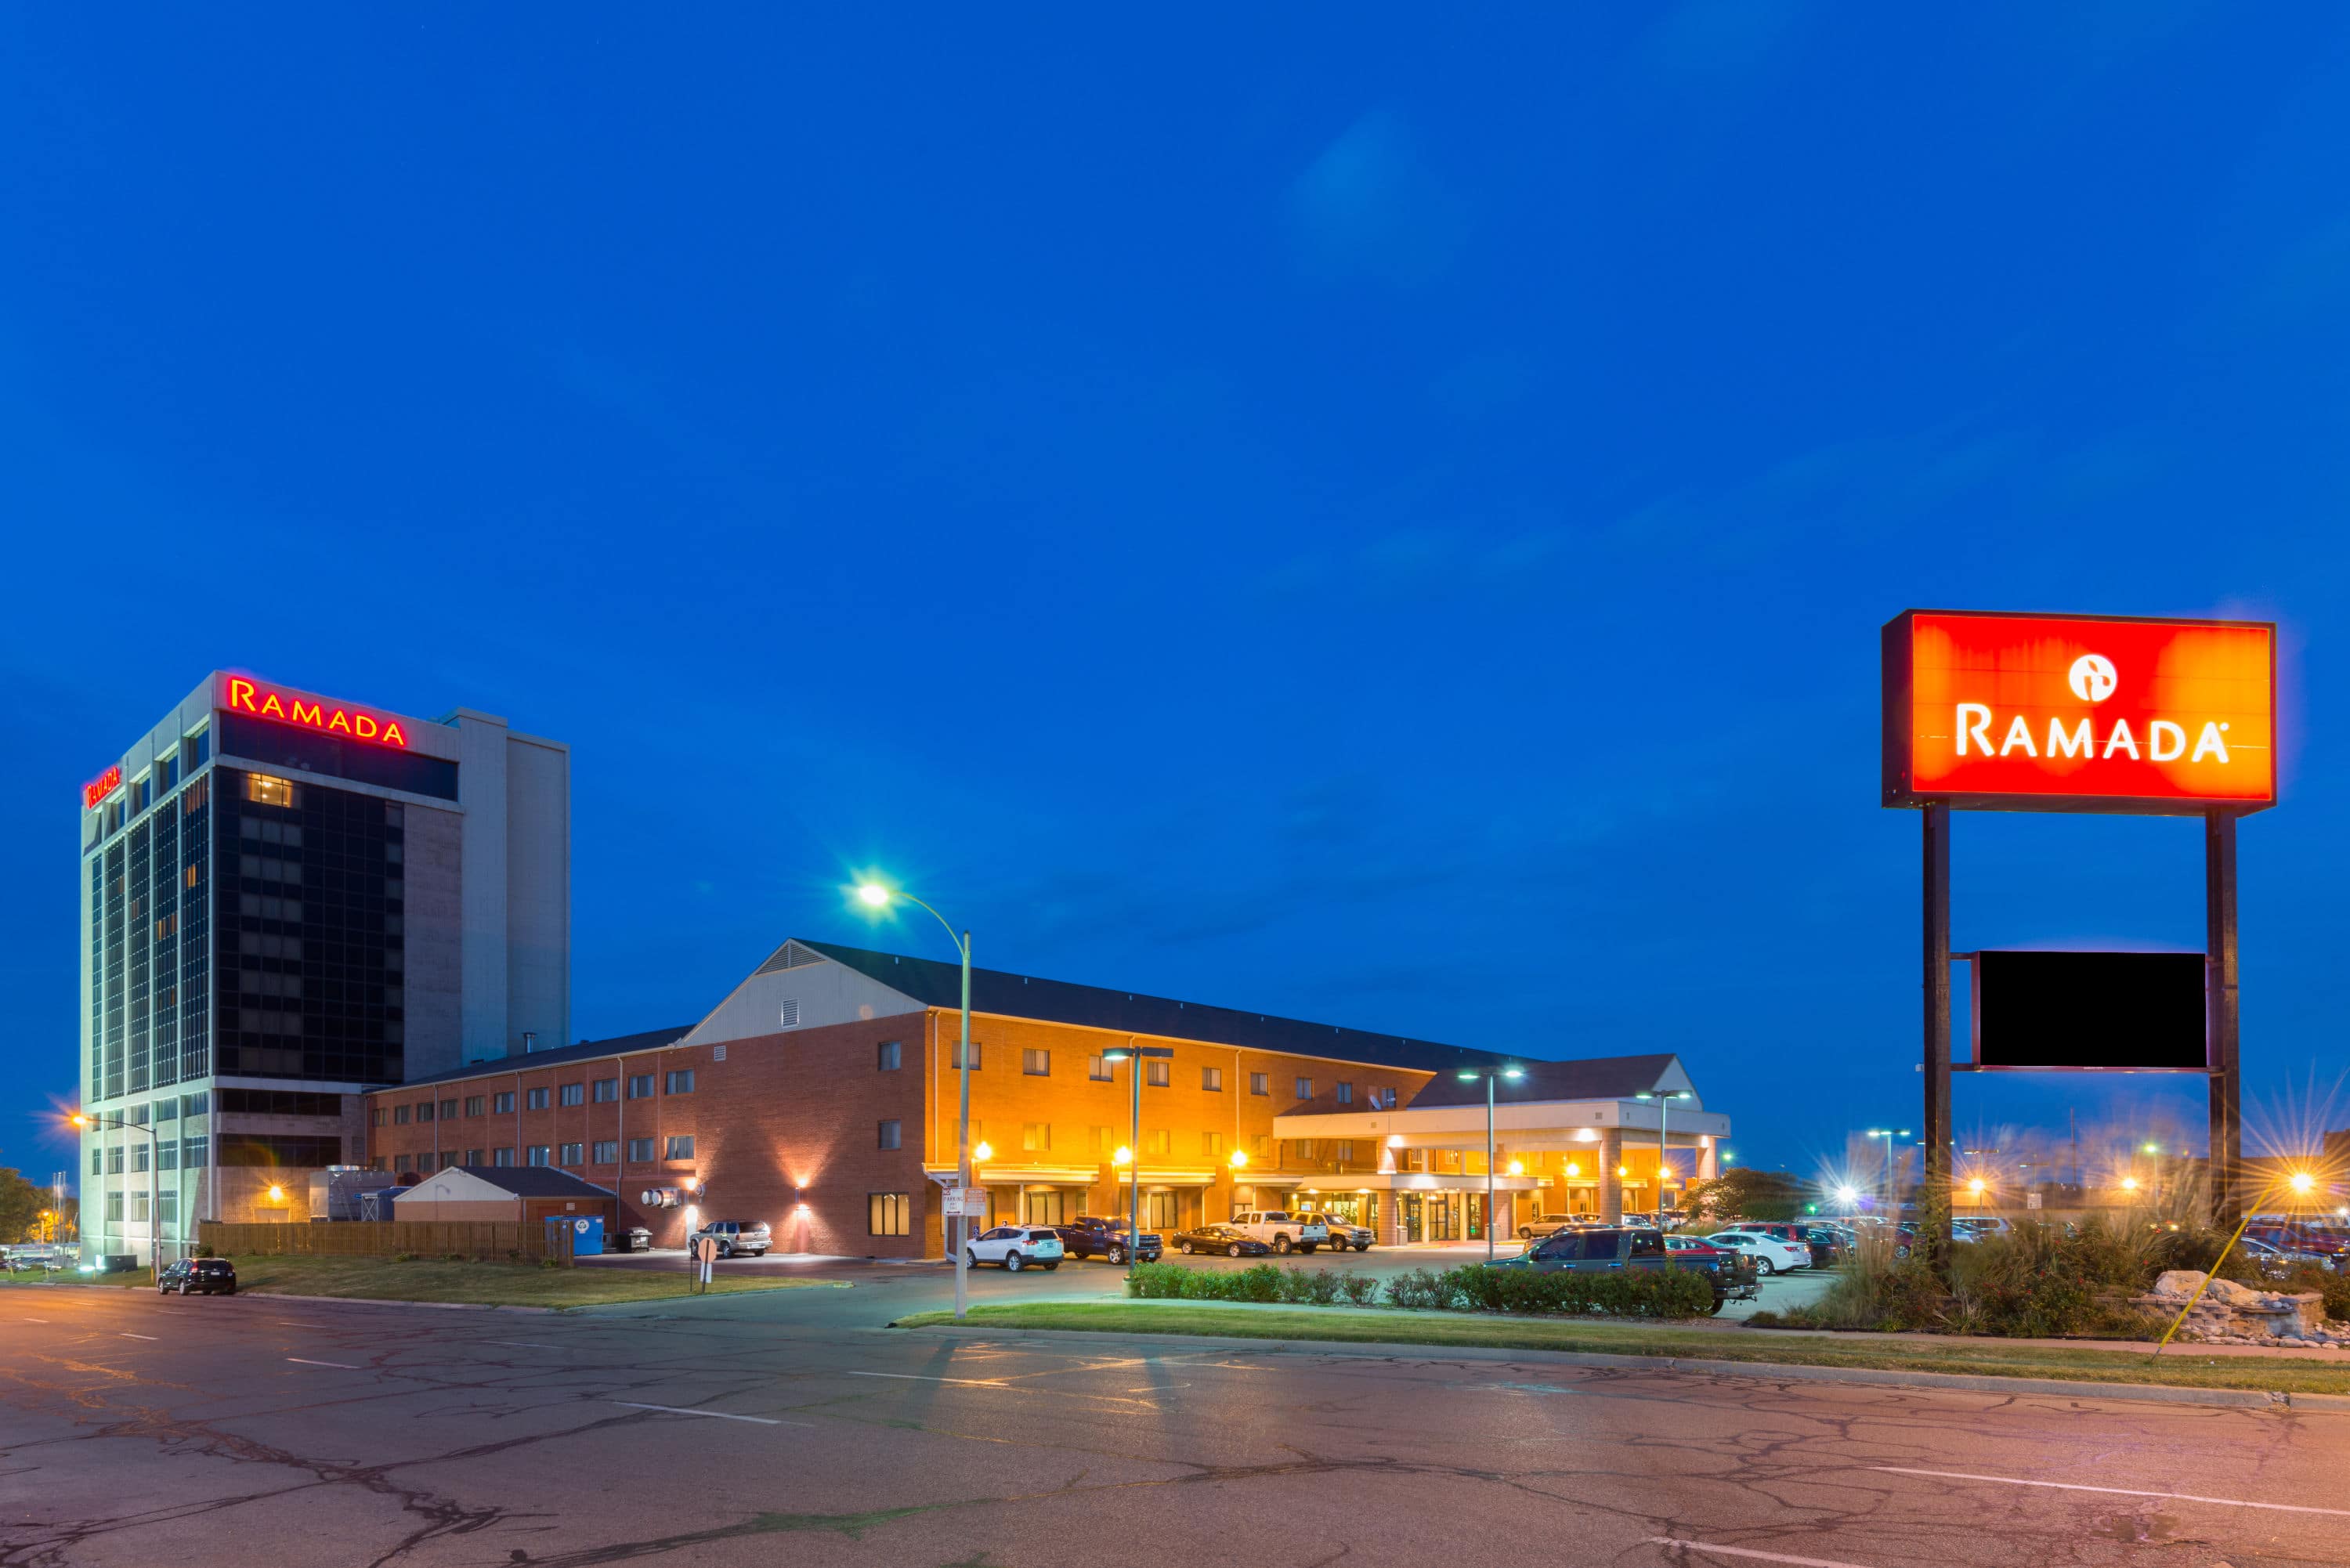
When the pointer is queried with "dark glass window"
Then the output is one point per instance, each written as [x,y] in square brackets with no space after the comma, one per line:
[305,751]
[274,1149]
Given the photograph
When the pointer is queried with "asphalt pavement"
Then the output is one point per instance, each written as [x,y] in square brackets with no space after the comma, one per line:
[790,1428]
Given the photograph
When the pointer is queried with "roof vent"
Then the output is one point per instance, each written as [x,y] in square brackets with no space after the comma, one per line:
[791,955]
[790,1012]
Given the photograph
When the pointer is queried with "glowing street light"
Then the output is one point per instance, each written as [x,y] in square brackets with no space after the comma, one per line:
[1470,1075]
[1849,1197]
[2129,1184]
[2303,1182]
[1133,1054]
[876,895]
[1664,1104]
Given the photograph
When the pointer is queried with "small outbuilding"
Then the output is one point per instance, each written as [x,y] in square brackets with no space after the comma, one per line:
[508,1194]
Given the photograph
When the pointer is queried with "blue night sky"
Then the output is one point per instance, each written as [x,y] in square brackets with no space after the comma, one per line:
[1310,513]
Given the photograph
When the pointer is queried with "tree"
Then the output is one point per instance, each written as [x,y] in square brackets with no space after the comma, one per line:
[1744,1194]
[21,1203]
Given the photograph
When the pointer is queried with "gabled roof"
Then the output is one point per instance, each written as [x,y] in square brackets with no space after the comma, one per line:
[523,1180]
[1599,1078]
[936,984]
[586,1051]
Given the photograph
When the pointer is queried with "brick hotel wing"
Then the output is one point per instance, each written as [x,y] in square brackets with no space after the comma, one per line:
[820,1095]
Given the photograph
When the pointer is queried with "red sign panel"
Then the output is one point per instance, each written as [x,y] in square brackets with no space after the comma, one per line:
[98,788]
[2020,712]
[240,694]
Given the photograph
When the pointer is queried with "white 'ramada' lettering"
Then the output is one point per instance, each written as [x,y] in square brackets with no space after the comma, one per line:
[2165,740]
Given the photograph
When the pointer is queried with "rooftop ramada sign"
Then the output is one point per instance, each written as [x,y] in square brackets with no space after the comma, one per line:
[240,694]
[2026,712]
[98,788]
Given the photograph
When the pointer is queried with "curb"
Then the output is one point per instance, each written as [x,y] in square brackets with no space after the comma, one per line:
[1978,1383]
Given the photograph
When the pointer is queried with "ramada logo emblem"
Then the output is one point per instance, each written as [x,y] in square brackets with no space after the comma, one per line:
[2092,678]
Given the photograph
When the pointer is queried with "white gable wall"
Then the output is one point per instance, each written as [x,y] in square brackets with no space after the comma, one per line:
[820,994]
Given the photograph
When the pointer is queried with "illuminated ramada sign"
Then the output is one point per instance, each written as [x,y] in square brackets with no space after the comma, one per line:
[2024,712]
[98,788]
[241,695]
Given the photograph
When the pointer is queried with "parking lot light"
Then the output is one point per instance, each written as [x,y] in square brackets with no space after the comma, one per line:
[2302,1182]
[1122,1156]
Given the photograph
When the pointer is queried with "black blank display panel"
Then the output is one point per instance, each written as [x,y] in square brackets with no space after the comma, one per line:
[2142,1010]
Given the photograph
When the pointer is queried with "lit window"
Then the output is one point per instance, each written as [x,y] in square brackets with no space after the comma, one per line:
[681,1146]
[1212,1144]
[1161,1074]
[1100,1069]
[1212,1080]
[888,1214]
[1156,1141]
[1037,1063]
[954,1055]
[1104,1140]
[1036,1135]
[263,790]
[1260,1083]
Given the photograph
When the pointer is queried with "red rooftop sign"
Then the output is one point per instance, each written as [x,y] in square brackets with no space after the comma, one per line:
[2024,712]
[241,695]
[98,788]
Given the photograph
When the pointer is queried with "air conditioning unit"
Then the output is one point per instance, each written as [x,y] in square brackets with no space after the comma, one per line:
[658,1197]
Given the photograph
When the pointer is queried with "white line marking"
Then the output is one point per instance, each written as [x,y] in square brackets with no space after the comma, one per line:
[346,1365]
[148,1336]
[720,1415]
[2118,1492]
[522,1343]
[925,1377]
[1154,1387]
[36,1320]
[1745,1551]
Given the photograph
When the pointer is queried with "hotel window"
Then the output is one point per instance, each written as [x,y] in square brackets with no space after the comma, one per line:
[375,1117]
[574,1094]
[888,1214]
[114,1208]
[1305,1088]
[640,1086]
[538,1154]
[1346,1093]
[475,1104]
[1212,1080]
[679,1082]
[504,1104]
[640,1151]
[400,1115]
[1100,1069]
[98,1162]
[473,1157]
[571,1154]
[1156,1141]
[1037,1063]
[1036,1135]
[448,1158]
[535,1098]
[1346,1148]
[1383,1099]
[608,1090]
[886,1135]
[263,790]
[114,1160]
[1260,1083]
[954,1056]
[448,1110]
[399,1162]
[195,750]
[1211,1145]
[502,1157]
[608,1152]
[193,1153]
[681,1146]
[138,1156]
[1161,1073]
[1104,1140]
[886,1057]
[1304,1147]
[138,1209]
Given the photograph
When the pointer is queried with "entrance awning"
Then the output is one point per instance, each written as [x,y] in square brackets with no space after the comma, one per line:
[997,1174]
[1153,1177]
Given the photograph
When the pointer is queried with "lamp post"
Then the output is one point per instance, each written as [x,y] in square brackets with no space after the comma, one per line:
[154,1208]
[1470,1075]
[1664,1104]
[1134,1053]
[877,896]
[1889,1134]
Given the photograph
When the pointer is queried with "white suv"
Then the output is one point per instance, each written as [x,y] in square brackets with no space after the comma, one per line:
[1017,1246]
[736,1238]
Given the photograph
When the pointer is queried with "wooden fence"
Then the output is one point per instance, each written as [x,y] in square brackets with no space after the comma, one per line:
[389,1238]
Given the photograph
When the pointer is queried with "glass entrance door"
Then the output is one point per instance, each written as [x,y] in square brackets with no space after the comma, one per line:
[1414,1218]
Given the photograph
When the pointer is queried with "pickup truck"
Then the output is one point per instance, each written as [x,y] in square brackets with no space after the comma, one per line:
[1093,1234]
[1283,1231]
[1733,1278]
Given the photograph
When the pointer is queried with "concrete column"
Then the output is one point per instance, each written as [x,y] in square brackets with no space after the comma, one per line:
[1709,1160]
[1611,1186]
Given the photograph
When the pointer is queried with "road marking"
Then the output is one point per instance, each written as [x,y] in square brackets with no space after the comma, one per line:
[719,1414]
[925,1377]
[1746,1551]
[148,1336]
[345,1366]
[1154,1387]
[522,1343]
[2120,1492]
[36,1320]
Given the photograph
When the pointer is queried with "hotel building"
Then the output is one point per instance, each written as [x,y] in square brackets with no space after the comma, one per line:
[287,901]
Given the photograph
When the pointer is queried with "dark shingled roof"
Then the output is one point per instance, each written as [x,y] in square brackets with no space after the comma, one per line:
[586,1051]
[937,984]
[528,1180]
[1599,1078]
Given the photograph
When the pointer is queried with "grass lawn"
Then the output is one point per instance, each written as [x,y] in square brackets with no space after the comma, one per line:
[1987,1357]
[497,1284]
[35,1278]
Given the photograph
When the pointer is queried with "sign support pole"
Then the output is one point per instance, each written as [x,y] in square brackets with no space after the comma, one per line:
[2220,1002]
[1934,1198]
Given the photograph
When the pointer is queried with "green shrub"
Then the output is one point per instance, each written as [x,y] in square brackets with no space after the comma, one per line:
[1155,1282]
[1358,1289]
[1418,1288]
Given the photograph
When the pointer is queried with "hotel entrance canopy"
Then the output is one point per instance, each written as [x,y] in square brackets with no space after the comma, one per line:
[1553,1105]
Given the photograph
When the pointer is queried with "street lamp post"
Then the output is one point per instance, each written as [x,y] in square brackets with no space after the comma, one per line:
[1134,1055]
[877,897]
[1889,1134]
[154,1205]
[1470,1075]
[1664,1104]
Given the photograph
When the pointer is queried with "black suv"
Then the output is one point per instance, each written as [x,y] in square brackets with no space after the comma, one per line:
[199,1276]
[1637,1247]
[1091,1234]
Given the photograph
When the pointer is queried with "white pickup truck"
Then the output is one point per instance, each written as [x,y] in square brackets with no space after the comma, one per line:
[1283,1231]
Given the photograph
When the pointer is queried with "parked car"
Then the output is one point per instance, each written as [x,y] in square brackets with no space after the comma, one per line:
[1017,1246]
[39,1255]
[2275,1262]
[1091,1234]
[743,1238]
[1824,1243]
[1345,1233]
[1637,1247]
[1770,1254]
[1695,1246]
[1283,1231]
[198,1276]
[1542,1225]
[1230,1240]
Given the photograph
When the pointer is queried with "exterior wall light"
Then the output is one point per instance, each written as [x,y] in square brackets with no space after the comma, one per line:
[1123,1156]
[1240,1159]
[1517,1167]
[984,1152]
[1573,1168]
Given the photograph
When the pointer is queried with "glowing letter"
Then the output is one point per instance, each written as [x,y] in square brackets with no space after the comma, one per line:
[363,727]
[2154,733]
[2210,740]
[2121,739]
[339,722]
[1982,723]
[2019,733]
[392,735]
[240,695]
[269,707]
[2076,744]
[307,714]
